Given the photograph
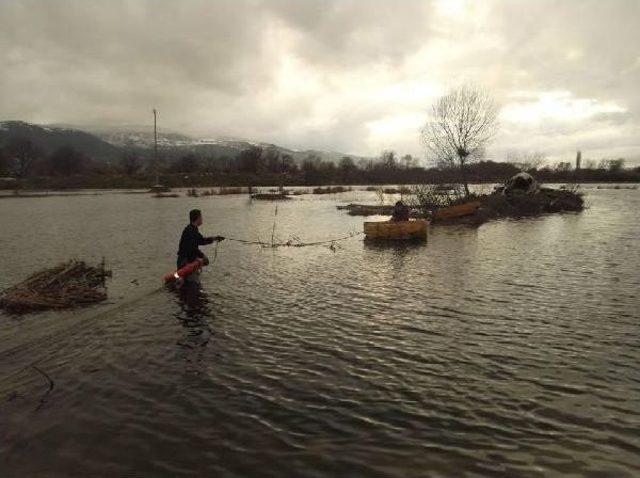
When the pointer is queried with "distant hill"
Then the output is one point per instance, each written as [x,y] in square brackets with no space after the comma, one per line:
[176,144]
[103,143]
[48,139]
[136,136]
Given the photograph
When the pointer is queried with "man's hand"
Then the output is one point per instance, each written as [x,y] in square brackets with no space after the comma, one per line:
[218,238]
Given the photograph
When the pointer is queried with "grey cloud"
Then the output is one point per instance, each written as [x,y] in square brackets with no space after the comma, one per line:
[186,42]
[212,67]
[604,36]
[354,32]
[616,118]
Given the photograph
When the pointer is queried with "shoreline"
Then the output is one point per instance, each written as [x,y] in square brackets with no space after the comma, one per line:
[76,191]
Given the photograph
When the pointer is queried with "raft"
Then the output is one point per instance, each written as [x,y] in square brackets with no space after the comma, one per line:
[459,210]
[396,230]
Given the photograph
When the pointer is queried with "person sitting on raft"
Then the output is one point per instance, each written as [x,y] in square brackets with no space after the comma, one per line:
[400,212]
[191,238]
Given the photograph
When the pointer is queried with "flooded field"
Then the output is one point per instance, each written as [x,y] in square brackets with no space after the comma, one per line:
[511,349]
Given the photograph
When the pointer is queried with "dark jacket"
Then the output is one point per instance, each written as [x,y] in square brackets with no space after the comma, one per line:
[189,241]
[400,212]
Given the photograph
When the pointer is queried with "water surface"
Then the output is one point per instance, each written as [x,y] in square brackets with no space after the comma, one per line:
[505,350]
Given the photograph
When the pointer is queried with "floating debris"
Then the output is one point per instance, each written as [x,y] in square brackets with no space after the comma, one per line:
[70,284]
[228,191]
[271,196]
[331,190]
[617,186]
[163,195]
[399,190]
[373,210]
[366,210]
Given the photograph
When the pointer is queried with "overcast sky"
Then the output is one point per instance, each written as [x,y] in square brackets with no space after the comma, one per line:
[352,76]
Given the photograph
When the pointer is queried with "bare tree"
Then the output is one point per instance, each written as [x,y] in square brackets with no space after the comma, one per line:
[408,161]
[251,160]
[23,152]
[130,163]
[527,161]
[347,167]
[613,165]
[4,162]
[388,159]
[461,125]
[562,166]
[66,160]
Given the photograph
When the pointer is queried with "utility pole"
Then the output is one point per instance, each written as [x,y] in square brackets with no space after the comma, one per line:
[155,143]
[157,187]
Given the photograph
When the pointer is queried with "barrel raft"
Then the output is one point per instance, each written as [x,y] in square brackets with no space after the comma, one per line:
[396,230]
[459,210]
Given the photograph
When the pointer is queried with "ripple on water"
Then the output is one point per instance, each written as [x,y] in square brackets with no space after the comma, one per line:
[505,350]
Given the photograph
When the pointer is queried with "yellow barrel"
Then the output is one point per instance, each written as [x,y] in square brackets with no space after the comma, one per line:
[396,230]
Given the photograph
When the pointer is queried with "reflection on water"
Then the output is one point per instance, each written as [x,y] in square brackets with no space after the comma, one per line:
[398,251]
[194,314]
[508,349]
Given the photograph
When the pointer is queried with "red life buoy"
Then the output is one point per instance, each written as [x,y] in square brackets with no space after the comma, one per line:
[184,271]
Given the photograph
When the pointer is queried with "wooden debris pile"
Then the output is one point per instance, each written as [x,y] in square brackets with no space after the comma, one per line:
[70,284]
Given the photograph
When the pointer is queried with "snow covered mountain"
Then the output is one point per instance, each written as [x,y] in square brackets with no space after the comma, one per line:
[175,143]
[103,143]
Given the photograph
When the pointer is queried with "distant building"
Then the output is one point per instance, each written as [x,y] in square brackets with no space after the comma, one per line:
[578,160]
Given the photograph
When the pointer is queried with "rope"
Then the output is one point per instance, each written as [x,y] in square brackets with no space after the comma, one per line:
[215,253]
[290,243]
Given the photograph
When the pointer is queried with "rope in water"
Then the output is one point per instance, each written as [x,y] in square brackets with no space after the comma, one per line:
[291,243]
[275,245]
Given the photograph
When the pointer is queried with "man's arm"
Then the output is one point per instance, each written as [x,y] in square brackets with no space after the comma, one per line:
[204,240]
[201,240]
[208,240]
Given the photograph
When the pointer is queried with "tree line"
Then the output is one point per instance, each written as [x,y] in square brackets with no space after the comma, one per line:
[22,159]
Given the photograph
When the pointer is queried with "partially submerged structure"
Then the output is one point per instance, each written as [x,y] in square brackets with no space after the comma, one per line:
[70,284]
[520,183]
[520,196]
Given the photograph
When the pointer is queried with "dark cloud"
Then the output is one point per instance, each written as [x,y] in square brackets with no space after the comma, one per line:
[351,75]
[347,33]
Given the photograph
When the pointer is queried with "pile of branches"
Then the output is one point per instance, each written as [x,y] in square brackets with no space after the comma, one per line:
[429,197]
[519,204]
[546,200]
[70,284]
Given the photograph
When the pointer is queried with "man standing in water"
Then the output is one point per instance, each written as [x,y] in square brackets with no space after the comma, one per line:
[191,238]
